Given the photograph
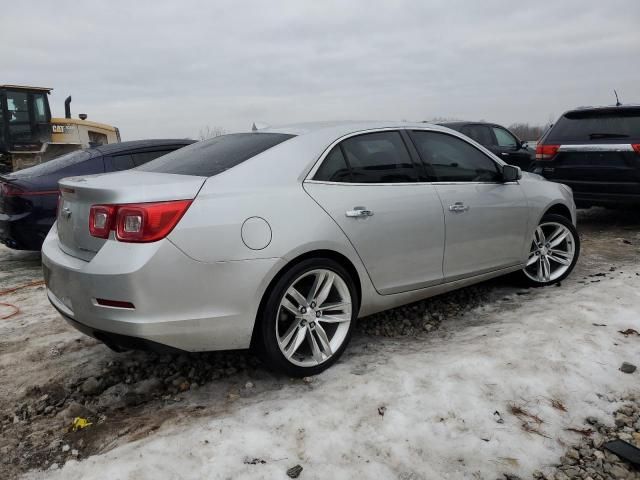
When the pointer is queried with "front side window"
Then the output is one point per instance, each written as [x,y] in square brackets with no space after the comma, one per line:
[504,138]
[453,159]
[380,157]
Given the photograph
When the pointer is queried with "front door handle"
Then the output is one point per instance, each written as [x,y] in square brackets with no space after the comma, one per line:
[458,207]
[359,212]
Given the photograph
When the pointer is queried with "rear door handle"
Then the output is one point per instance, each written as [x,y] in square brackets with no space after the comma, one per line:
[458,207]
[359,212]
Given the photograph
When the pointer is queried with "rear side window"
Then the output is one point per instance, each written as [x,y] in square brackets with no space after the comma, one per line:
[145,157]
[122,162]
[334,167]
[597,125]
[370,158]
[480,133]
[214,156]
[453,159]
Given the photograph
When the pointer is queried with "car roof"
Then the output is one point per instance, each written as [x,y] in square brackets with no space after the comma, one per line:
[112,148]
[339,128]
[606,108]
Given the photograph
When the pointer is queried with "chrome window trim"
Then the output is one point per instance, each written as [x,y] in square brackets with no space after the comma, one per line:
[309,177]
[597,147]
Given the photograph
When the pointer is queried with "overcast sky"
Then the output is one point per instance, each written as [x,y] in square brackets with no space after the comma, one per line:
[168,69]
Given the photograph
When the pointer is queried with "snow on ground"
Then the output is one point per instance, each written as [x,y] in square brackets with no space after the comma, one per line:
[438,394]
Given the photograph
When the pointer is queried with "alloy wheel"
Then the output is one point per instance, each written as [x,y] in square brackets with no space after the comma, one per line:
[551,254]
[313,317]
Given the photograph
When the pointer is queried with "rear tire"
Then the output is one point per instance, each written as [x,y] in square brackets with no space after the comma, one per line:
[308,318]
[554,251]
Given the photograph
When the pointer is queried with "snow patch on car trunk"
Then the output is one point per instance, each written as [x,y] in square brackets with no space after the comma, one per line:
[443,406]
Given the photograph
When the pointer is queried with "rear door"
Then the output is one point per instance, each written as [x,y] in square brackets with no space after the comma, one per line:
[594,151]
[370,186]
[485,219]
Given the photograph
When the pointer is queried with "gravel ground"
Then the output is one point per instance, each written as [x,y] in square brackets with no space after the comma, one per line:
[51,374]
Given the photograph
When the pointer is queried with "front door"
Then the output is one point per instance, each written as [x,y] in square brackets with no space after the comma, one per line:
[485,219]
[371,188]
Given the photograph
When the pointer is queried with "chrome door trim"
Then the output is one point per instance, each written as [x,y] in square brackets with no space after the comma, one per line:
[312,171]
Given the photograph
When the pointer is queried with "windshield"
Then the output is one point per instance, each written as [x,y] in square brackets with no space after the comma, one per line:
[214,156]
[597,125]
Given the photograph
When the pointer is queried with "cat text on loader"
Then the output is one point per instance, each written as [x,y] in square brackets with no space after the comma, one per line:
[28,134]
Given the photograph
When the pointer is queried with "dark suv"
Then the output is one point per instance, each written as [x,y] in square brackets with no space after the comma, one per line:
[498,140]
[595,151]
[29,197]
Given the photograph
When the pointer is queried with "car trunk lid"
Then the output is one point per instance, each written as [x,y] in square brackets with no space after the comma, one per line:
[79,194]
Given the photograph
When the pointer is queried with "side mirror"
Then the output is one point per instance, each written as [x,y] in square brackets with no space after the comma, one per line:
[511,173]
[524,145]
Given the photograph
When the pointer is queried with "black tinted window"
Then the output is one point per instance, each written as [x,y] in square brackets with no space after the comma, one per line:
[122,162]
[479,133]
[453,159]
[595,126]
[334,167]
[211,157]
[379,158]
[144,157]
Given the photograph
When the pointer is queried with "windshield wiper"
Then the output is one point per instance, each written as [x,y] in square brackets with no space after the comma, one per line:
[607,135]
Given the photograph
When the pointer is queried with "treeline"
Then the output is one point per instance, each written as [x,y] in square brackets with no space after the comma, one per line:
[527,132]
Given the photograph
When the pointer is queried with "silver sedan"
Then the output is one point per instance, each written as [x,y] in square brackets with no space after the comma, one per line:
[280,239]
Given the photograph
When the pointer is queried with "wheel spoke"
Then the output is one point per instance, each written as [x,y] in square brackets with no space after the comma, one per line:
[286,303]
[533,258]
[317,283]
[297,341]
[326,288]
[323,339]
[293,328]
[315,349]
[539,236]
[558,259]
[329,307]
[546,269]
[339,318]
[558,237]
[297,296]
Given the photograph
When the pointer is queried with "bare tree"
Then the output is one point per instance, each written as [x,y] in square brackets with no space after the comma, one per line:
[208,132]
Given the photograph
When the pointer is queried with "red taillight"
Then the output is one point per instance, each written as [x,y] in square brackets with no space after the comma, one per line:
[137,222]
[636,147]
[101,219]
[9,190]
[546,152]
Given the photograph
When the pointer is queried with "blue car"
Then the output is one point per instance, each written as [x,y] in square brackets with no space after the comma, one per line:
[29,197]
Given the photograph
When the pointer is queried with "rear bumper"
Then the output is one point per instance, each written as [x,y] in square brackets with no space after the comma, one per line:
[23,231]
[179,302]
[604,199]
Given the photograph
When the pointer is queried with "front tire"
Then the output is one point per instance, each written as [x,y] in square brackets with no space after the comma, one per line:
[554,251]
[307,320]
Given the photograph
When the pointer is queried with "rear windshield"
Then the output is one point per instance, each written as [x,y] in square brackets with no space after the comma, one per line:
[597,125]
[214,156]
[59,164]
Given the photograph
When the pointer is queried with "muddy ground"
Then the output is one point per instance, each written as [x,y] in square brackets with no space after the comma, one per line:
[51,374]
